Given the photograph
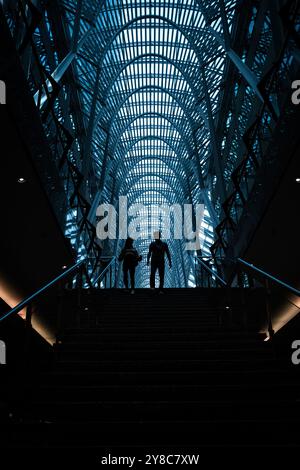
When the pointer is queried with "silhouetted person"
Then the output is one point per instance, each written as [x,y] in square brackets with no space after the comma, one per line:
[157,251]
[130,258]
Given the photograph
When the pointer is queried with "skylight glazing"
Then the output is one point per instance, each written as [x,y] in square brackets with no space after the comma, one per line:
[161,72]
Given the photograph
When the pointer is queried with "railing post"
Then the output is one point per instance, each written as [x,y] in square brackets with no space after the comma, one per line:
[251,280]
[28,316]
[239,276]
[268,309]
[28,328]
[244,307]
[229,306]
[240,285]
[79,295]
[59,310]
[79,289]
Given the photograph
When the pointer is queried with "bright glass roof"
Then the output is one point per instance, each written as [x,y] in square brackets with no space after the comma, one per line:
[161,72]
[150,79]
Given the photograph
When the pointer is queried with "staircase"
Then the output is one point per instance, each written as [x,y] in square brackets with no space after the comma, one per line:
[150,372]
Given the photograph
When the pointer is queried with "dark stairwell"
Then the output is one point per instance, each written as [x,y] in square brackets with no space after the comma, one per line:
[151,373]
[174,373]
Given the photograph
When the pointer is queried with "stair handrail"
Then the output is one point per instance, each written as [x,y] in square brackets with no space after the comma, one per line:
[105,271]
[213,273]
[269,276]
[27,301]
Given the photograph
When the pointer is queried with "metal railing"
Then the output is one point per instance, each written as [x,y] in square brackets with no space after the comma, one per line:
[209,276]
[108,276]
[27,302]
[239,263]
[108,279]
[267,278]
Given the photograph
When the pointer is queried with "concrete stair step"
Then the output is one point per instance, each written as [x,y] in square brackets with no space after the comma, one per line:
[168,365]
[175,435]
[186,411]
[150,392]
[222,377]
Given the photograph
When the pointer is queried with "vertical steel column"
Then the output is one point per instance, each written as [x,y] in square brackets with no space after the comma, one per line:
[92,123]
[214,140]
[92,213]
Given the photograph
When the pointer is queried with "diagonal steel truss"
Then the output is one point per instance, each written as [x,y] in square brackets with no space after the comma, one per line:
[158,101]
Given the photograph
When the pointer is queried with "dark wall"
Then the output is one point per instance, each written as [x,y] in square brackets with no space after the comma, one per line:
[32,246]
[275,245]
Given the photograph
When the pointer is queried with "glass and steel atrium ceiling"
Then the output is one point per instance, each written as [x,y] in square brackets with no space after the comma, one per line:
[157,69]
[167,102]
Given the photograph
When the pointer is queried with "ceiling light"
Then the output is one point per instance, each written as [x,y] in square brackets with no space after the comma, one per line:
[21,180]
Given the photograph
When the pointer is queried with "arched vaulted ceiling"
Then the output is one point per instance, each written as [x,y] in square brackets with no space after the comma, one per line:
[164,101]
[154,71]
